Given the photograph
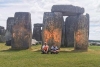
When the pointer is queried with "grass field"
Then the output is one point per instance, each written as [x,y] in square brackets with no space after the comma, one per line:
[33,57]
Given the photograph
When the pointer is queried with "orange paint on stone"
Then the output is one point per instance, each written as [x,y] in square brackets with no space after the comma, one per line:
[47,35]
[56,35]
[79,37]
[20,33]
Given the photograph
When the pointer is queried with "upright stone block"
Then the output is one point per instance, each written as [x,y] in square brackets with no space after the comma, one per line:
[10,23]
[2,34]
[22,32]
[8,35]
[2,30]
[69,30]
[81,33]
[88,17]
[37,32]
[63,36]
[52,28]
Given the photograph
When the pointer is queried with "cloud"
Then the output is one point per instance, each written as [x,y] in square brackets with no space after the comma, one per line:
[38,7]
[9,1]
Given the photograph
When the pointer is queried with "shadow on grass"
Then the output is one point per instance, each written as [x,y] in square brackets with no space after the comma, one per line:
[71,51]
[74,51]
[61,51]
[12,50]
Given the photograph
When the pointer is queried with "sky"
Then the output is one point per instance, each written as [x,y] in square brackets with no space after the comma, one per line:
[38,7]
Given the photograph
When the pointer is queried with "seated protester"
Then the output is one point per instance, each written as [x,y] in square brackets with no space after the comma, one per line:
[54,49]
[45,48]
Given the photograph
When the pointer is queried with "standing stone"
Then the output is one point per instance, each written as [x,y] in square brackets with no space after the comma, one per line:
[81,33]
[63,36]
[2,34]
[52,28]
[8,35]
[10,23]
[88,17]
[69,31]
[22,32]
[2,30]
[37,32]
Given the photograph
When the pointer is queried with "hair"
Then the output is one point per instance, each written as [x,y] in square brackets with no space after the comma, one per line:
[45,43]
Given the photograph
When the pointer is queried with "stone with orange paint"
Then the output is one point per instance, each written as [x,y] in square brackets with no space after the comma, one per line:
[37,32]
[81,33]
[52,28]
[22,32]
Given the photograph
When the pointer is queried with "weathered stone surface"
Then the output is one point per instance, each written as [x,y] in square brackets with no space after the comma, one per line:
[2,30]
[67,10]
[38,25]
[37,32]
[52,28]
[81,33]
[69,30]
[10,23]
[88,17]
[63,35]
[2,34]
[22,32]
[8,38]
[8,35]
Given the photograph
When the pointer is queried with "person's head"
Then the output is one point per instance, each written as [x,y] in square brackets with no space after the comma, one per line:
[45,43]
[54,45]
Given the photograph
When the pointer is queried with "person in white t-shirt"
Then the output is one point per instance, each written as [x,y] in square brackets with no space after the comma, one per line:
[45,48]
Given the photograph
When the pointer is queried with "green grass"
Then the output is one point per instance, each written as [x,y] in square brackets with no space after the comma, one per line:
[33,57]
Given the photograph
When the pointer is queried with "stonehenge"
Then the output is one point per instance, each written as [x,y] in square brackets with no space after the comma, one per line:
[73,32]
[75,29]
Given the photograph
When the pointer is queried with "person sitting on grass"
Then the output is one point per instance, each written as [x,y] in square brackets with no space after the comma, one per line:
[45,48]
[54,49]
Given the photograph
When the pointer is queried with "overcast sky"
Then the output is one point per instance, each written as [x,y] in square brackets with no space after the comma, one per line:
[38,7]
